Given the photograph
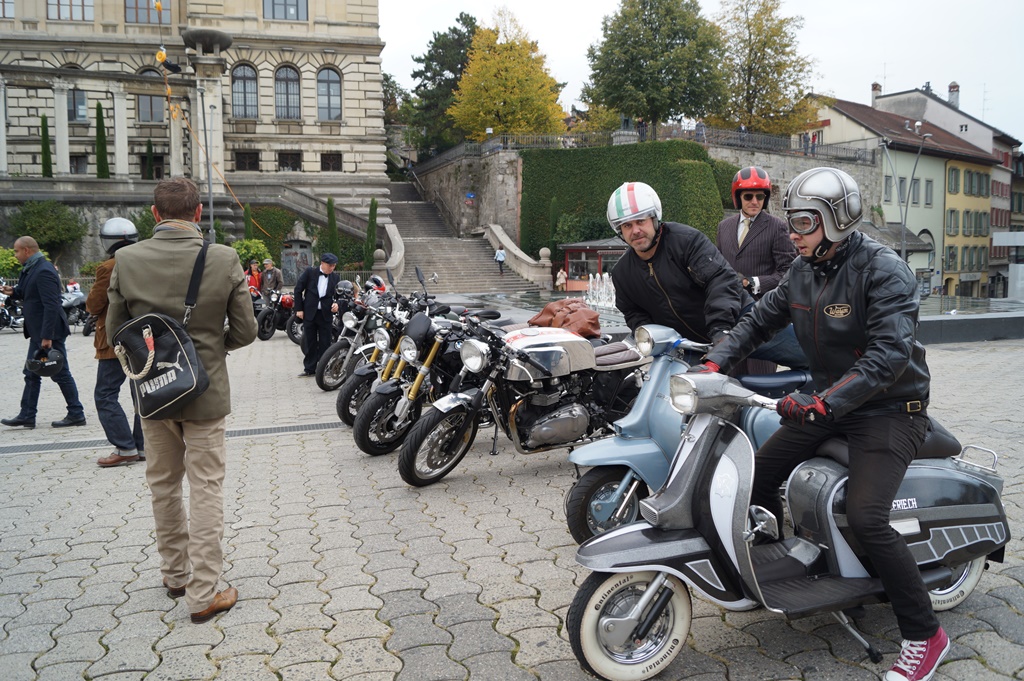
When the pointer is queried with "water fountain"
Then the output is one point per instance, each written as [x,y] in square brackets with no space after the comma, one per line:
[600,292]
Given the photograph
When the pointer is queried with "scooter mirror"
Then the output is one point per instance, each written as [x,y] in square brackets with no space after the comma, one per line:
[391,277]
[763,523]
[419,276]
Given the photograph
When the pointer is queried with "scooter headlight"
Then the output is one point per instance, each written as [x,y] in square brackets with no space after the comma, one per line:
[382,339]
[407,348]
[350,320]
[644,342]
[682,394]
[474,355]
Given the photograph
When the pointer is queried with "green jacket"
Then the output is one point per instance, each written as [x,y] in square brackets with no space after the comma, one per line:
[153,276]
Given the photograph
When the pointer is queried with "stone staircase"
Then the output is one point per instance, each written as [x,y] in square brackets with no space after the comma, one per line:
[462,265]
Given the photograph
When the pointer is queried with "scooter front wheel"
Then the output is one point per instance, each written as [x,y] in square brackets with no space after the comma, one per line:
[431,451]
[965,579]
[353,393]
[594,487]
[605,597]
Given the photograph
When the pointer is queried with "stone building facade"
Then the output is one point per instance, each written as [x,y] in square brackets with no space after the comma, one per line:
[289,92]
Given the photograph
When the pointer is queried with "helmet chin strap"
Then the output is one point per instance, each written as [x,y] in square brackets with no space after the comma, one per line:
[654,241]
[819,251]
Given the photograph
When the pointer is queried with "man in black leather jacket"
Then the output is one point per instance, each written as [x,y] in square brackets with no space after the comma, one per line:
[674,276]
[854,306]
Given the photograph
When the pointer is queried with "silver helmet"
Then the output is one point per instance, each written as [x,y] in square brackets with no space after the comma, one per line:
[115,231]
[831,194]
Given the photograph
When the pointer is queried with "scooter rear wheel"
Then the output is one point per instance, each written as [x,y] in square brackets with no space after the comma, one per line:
[351,396]
[605,595]
[430,451]
[593,486]
[965,579]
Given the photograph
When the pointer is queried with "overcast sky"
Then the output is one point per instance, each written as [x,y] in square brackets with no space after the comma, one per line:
[899,43]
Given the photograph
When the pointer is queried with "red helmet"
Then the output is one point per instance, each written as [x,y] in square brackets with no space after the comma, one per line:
[751,178]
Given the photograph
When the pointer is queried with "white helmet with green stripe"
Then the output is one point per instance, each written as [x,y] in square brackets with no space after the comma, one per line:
[633,201]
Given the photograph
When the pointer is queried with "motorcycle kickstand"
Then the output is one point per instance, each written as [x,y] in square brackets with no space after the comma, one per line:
[494,441]
[873,653]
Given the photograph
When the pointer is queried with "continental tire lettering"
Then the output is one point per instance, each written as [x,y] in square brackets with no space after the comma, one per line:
[622,581]
[949,599]
[663,657]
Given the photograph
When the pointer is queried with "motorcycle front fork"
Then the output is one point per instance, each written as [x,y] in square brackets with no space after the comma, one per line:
[603,510]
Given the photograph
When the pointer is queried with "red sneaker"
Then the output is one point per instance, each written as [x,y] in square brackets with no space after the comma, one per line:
[919,659]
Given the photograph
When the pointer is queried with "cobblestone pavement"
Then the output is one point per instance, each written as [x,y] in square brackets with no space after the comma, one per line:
[345,572]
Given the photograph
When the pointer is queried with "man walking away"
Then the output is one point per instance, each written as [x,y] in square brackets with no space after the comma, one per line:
[153,276]
[499,257]
[116,233]
[46,327]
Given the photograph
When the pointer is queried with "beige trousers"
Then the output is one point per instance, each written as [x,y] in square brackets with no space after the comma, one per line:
[192,544]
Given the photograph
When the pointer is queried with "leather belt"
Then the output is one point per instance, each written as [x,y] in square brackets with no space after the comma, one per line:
[913,407]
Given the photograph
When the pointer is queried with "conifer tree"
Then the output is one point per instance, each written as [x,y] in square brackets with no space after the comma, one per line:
[102,164]
[47,159]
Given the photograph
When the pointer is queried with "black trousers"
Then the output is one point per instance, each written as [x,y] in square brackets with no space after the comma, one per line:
[316,338]
[881,448]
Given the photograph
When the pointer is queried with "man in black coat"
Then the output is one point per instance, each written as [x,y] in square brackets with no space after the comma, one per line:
[46,327]
[314,305]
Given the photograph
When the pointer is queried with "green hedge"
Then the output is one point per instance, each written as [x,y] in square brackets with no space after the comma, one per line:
[583,179]
[724,173]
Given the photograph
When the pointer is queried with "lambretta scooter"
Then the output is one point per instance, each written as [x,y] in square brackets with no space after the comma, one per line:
[637,457]
[631,617]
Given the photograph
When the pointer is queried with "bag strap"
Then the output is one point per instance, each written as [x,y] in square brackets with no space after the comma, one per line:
[193,284]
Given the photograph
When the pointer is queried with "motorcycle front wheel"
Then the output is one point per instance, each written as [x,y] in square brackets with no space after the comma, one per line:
[294,329]
[332,369]
[351,396]
[604,597]
[375,430]
[265,325]
[594,486]
[430,451]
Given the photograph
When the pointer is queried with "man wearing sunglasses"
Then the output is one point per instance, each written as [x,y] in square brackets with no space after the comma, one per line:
[854,305]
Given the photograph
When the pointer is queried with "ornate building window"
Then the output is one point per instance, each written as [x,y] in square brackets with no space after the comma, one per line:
[289,161]
[330,162]
[77,112]
[244,92]
[143,12]
[286,94]
[150,108]
[286,10]
[328,95]
[247,160]
[69,10]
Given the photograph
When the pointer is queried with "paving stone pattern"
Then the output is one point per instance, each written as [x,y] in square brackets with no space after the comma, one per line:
[344,572]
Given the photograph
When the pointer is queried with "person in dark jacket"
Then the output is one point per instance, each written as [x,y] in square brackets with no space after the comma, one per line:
[46,327]
[315,306]
[674,276]
[854,304]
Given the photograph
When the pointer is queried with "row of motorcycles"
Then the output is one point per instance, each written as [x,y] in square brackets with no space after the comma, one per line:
[663,509]
[11,316]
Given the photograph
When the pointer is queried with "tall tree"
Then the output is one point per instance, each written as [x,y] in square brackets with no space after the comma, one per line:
[507,87]
[44,139]
[329,241]
[767,76]
[441,69]
[659,59]
[102,163]
[394,96]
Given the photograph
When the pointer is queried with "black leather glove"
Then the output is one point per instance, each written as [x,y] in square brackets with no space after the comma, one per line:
[705,368]
[800,407]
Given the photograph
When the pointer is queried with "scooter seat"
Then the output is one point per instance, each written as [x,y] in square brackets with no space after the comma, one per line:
[616,353]
[938,443]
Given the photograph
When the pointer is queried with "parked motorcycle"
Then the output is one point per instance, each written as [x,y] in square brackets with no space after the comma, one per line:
[73,303]
[353,347]
[546,388]
[11,316]
[274,315]
[631,616]
[636,459]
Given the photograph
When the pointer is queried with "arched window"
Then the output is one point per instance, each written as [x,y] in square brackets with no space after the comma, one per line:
[150,108]
[328,95]
[286,94]
[244,96]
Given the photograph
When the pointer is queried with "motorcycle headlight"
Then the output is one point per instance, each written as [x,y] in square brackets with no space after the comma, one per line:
[644,342]
[382,339]
[407,349]
[274,297]
[682,394]
[350,320]
[474,355]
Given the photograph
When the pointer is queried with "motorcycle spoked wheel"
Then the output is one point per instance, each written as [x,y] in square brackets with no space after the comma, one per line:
[331,370]
[351,396]
[430,452]
[594,485]
[605,595]
[965,579]
[265,325]
[294,329]
[375,431]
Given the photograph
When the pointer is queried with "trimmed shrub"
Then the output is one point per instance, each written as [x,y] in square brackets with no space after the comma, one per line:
[250,249]
[724,172]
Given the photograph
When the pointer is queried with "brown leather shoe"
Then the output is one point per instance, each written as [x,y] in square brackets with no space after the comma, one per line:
[116,459]
[174,591]
[223,601]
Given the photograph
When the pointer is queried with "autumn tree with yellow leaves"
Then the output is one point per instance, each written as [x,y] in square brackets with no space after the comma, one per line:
[506,86]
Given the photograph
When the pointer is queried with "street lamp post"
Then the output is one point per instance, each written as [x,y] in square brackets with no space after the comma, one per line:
[208,141]
[904,210]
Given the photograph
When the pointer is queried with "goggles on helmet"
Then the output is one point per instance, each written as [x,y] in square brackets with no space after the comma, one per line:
[803,222]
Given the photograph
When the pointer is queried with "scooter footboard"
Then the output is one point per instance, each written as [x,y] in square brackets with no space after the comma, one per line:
[643,456]
[683,553]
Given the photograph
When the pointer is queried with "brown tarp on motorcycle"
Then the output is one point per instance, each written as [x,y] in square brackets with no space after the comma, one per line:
[571,314]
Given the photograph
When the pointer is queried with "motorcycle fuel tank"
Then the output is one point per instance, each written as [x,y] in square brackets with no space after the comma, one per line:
[560,352]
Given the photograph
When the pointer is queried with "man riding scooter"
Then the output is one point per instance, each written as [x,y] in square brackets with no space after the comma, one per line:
[854,306]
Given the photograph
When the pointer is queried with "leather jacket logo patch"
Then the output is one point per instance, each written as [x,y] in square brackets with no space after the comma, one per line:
[838,311]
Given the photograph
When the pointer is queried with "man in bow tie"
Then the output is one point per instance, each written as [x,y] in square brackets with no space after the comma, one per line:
[315,306]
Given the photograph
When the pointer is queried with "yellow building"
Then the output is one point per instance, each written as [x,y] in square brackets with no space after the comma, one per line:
[967,223]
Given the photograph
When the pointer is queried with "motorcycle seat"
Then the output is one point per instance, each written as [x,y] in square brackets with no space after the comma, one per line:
[616,356]
[938,443]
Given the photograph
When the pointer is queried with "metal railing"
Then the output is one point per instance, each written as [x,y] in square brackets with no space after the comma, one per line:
[573,140]
[453,154]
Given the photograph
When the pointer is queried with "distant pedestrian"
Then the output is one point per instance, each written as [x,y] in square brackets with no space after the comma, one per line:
[315,306]
[805,140]
[499,257]
[560,279]
[701,131]
[271,279]
[814,143]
